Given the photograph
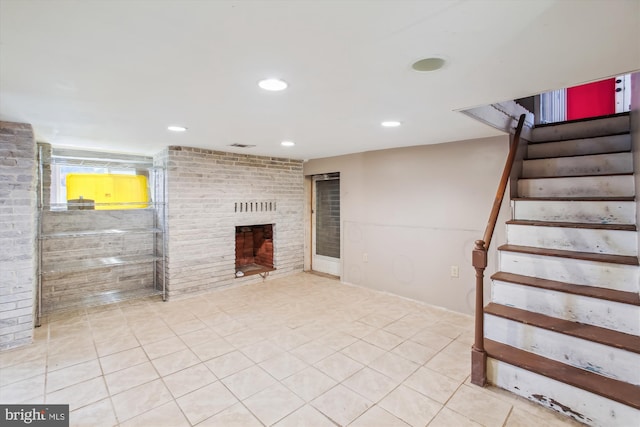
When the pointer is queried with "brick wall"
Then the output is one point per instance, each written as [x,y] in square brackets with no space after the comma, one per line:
[67,288]
[263,245]
[18,176]
[254,245]
[209,194]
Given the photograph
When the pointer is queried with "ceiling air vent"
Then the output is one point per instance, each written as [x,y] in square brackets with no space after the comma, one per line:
[241,145]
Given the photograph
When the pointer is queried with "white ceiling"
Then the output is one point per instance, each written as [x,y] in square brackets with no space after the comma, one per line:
[113,75]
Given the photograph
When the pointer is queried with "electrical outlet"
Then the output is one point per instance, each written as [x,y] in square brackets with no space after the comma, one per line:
[455,272]
[365,257]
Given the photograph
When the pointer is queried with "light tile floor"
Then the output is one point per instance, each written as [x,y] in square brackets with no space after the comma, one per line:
[297,351]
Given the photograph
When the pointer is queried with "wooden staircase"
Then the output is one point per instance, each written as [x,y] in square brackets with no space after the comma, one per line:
[563,325]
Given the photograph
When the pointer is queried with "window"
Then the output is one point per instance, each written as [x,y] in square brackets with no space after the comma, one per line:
[89,180]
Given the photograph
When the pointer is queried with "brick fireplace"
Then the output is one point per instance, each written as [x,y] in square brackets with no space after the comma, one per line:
[210,193]
[254,249]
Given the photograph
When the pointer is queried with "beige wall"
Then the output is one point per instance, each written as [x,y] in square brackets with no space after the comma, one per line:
[416,212]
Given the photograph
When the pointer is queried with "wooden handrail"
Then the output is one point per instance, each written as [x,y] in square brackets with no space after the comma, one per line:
[502,187]
[479,261]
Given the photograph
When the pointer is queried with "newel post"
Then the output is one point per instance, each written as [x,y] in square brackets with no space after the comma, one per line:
[478,355]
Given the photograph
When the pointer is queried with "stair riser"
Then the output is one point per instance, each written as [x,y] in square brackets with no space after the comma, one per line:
[592,212]
[579,404]
[576,308]
[601,359]
[581,272]
[604,164]
[614,242]
[580,147]
[590,186]
[583,129]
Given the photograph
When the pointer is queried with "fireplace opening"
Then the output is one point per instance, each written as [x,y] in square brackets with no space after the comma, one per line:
[254,249]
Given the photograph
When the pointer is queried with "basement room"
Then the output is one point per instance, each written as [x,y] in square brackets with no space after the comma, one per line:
[366,213]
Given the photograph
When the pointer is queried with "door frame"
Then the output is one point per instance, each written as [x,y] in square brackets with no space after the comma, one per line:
[551,107]
[336,268]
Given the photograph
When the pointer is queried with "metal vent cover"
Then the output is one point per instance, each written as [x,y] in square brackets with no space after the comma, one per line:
[238,145]
[255,206]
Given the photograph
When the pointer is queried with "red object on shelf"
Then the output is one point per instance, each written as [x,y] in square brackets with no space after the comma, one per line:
[591,100]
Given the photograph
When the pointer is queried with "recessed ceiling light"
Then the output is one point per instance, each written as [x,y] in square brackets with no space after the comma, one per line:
[428,64]
[287,143]
[177,128]
[273,85]
[391,124]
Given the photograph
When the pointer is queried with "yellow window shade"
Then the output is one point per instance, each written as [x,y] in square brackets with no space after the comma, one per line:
[109,188]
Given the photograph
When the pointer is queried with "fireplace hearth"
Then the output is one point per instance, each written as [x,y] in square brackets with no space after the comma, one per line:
[254,249]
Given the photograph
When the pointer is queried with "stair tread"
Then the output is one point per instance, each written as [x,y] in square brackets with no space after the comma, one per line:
[576,199]
[604,136]
[596,226]
[619,391]
[576,176]
[623,297]
[575,155]
[593,333]
[579,176]
[588,256]
[585,119]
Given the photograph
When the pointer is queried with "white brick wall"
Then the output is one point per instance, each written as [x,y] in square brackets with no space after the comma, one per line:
[68,290]
[203,189]
[17,234]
